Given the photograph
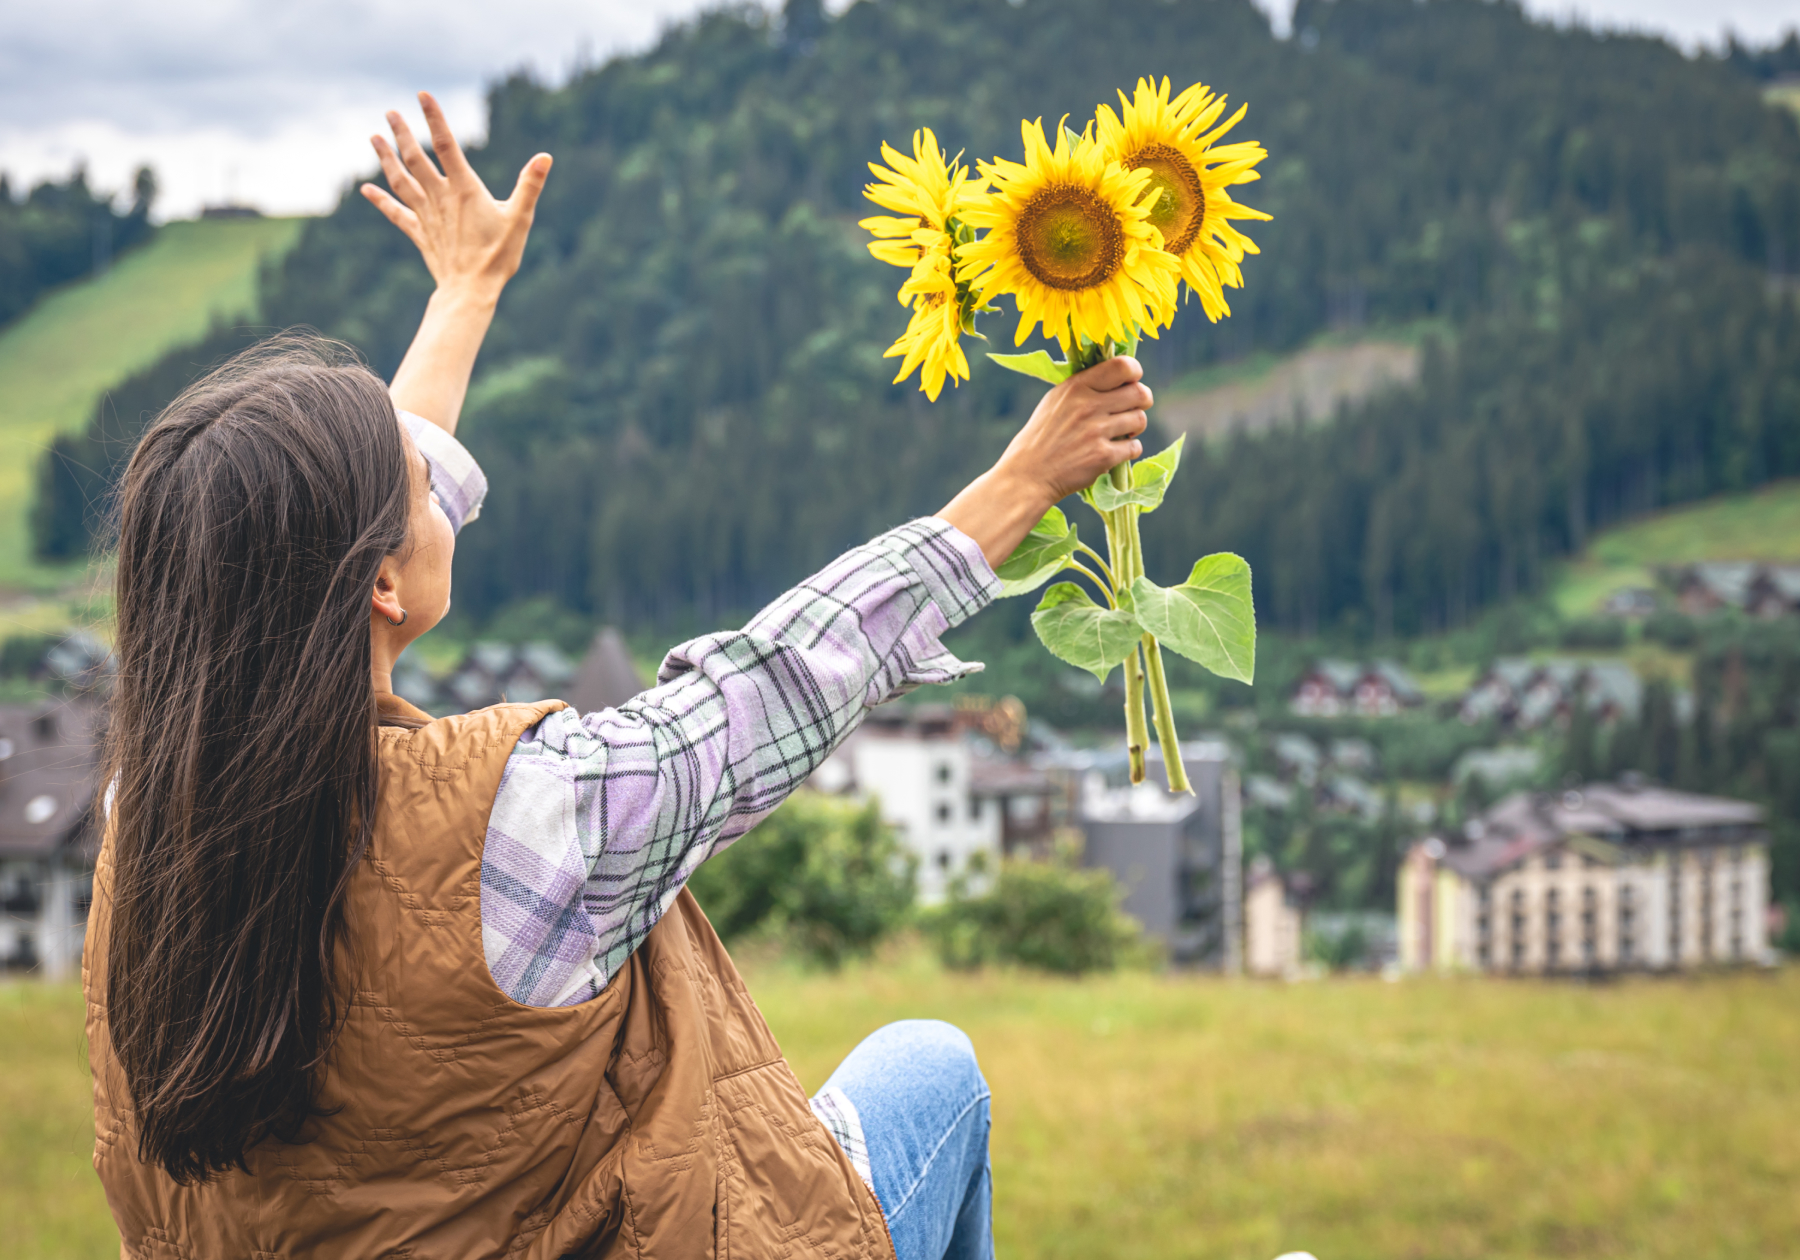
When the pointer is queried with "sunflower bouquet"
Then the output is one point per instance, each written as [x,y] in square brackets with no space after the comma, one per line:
[1094,238]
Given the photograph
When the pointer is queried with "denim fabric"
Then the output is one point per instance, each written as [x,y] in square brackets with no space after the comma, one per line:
[923,1109]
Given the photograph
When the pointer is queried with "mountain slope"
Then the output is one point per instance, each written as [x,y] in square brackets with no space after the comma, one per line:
[1764,525]
[683,405]
[59,358]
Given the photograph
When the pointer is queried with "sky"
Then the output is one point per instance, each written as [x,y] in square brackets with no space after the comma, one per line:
[241,100]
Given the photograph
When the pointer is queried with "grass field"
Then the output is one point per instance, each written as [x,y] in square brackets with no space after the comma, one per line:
[1761,525]
[1162,1118]
[57,360]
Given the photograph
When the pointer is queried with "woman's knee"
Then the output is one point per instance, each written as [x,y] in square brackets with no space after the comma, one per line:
[931,1045]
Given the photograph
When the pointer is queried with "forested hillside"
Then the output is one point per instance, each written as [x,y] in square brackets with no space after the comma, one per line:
[683,404]
[59,232]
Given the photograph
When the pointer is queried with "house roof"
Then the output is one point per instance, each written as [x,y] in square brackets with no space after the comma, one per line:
[1611,814]
[46,775]
[1003,776]
[1342,675]
[606,677]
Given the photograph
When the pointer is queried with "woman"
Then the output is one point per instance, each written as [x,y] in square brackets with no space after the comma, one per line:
[366,984]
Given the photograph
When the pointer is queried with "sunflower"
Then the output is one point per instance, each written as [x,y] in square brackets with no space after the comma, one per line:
[1069,236]
[933,337]
[929,192]
[1174,142]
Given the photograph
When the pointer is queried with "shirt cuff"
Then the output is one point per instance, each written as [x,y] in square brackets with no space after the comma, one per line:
[948,564]
[456,478]
[951,570]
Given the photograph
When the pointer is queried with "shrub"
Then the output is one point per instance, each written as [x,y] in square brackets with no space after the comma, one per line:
[1672,629]
[1053,915]
[1594,634]
[22,655]
[827,874]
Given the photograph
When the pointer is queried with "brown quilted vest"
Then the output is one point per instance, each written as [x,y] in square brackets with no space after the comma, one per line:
[657,1120]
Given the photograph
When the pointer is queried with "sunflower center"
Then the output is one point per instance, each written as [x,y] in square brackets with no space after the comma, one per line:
[1069,238]
[1175,196]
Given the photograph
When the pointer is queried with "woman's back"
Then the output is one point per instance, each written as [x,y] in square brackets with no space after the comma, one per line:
[456,1122]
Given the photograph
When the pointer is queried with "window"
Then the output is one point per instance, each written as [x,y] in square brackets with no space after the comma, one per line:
[1552,929]
[1518,928]
[1627,923]
[974,809]
[943,813]
[1590,925]
[943,772]
[943,859]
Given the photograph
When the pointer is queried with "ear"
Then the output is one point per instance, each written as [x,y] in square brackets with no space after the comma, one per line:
[384,600]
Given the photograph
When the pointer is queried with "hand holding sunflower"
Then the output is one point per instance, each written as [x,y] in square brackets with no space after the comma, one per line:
[1092,238]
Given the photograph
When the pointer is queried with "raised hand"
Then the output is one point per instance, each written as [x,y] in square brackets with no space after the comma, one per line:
[471,244]
[467,237]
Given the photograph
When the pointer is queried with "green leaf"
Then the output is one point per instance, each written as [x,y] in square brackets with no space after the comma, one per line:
[1079,631]
[1209,618]
[1038,363]
[1045,552]
[1149,482]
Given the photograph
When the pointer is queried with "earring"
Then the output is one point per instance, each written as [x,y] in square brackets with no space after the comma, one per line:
[392,622]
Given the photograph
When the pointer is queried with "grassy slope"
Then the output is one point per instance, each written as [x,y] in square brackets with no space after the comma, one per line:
[1166,1118]
[58,359]
[1762,525]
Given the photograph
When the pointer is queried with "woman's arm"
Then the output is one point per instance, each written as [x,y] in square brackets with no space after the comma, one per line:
[601,818]
[1081,428]
[471,244]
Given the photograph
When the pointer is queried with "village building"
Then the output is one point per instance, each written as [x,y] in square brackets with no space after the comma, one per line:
[1610,877]
[1333,688]
[1711,587]
[956,804]
[1179,859]
[495,673]
[1631,602]
[1774,592]
[1273,922]
[607,677]
[48,836]
[1529,695]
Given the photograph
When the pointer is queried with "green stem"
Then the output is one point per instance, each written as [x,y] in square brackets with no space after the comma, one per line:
[1089,574]
[1166,738]
[1121,537]
[1099,560]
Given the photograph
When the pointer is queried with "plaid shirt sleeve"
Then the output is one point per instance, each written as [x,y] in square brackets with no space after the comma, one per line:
[456,478]
[602,817]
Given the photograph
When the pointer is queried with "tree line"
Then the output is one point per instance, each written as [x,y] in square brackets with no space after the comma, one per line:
[62,231]
[682,407]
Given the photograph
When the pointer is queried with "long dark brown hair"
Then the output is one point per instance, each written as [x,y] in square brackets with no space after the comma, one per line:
[253,518]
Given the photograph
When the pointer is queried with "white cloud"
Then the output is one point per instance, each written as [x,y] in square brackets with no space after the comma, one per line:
[274,103]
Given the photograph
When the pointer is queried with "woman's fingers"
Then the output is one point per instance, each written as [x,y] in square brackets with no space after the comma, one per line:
[525,193]
[398,177]
[411,154]
[443,141]
[1112,373]
[396,213]
[1124,424]
[1133,397]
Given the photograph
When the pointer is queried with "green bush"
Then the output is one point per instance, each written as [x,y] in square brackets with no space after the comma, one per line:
[1054,916]
[826,874]
[1594,634]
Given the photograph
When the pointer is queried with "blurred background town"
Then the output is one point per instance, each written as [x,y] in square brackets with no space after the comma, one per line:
[1506,421]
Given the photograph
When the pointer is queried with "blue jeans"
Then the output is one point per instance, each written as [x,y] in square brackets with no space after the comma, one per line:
[923,1107]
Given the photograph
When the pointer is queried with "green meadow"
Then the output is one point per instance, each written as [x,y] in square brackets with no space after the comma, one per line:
[1151,1117]
[58,359]
[1763,525]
